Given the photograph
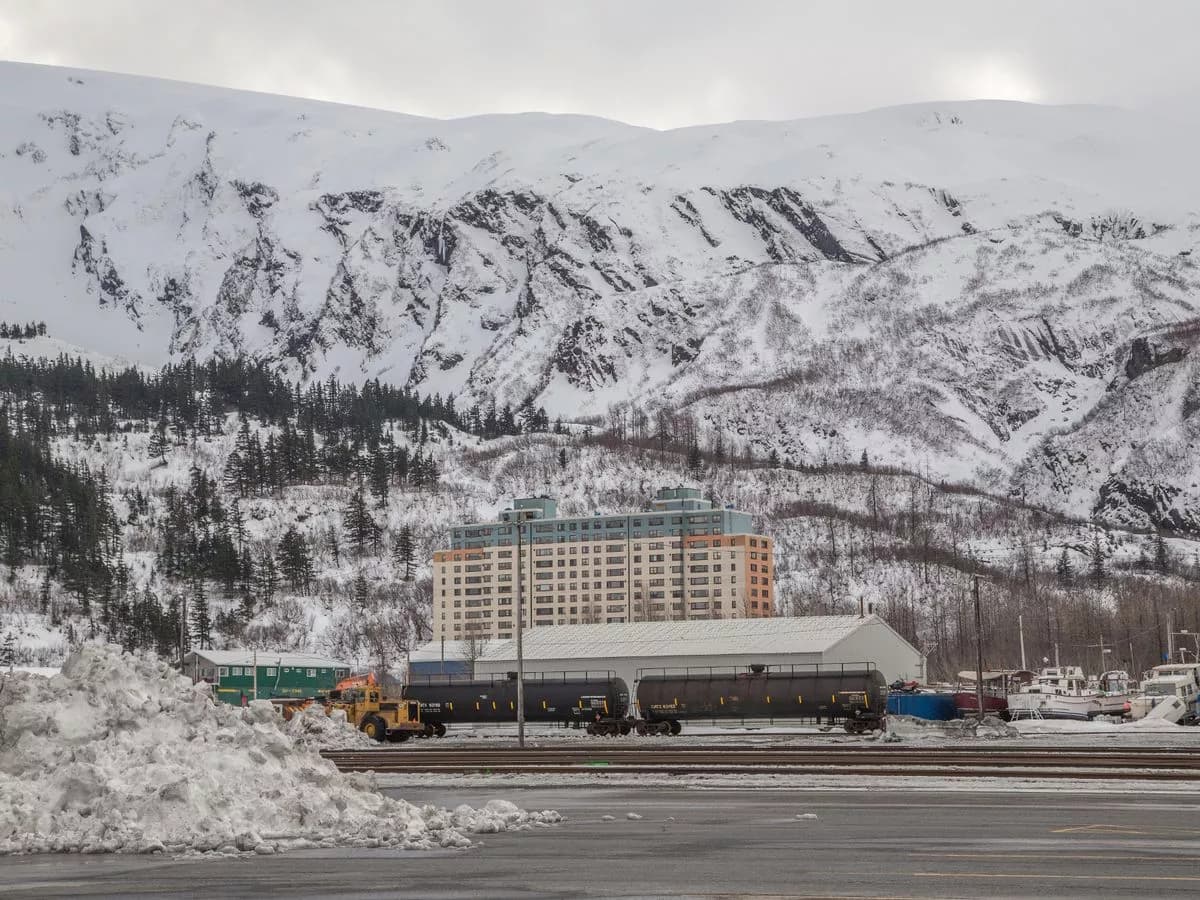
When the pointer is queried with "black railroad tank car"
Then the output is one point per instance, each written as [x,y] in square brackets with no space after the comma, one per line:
[824,693]
[565,698]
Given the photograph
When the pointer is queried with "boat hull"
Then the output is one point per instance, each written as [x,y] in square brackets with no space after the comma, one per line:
[967,704]
[1051,706]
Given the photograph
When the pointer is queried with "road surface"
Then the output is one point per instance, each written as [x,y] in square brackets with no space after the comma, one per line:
[714,843]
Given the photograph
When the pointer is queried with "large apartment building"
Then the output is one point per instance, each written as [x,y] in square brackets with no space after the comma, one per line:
[683,558]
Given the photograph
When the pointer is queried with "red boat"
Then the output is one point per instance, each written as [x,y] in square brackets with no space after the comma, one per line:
[996,688]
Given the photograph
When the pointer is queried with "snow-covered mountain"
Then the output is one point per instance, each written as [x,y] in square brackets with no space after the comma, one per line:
[987,291]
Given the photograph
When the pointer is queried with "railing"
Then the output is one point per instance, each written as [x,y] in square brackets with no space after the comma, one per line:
[530,677]
[698,672]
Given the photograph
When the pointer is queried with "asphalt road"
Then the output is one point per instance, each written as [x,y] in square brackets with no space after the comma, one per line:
[717,843]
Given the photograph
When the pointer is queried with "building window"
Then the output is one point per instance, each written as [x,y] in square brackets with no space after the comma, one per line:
[271,672]
[222,671]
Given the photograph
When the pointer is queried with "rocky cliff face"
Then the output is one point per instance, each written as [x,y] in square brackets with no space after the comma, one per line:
[993,292]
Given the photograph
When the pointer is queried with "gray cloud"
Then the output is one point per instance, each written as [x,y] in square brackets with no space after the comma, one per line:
[662,63]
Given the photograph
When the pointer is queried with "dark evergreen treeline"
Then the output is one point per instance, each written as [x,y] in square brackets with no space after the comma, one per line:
[16,331]
[287,434]
[56,515]
[192,398]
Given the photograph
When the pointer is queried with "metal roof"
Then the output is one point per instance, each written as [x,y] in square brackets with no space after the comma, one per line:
[432,652]
[713,637]
[268,658]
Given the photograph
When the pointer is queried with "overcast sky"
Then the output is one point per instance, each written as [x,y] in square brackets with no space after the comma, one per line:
[661,63]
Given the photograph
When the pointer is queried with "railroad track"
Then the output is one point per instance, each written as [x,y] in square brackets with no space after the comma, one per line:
[1147,764]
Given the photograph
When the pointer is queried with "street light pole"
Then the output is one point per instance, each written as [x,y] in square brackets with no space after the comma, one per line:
[520,646]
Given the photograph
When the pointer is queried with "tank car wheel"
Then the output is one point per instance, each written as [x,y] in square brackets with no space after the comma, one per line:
[591,728]
[374,727]
[624,728]
[440,729]
[675,727]
[640,728]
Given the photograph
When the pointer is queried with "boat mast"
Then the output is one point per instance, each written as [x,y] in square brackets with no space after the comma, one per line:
[978,652]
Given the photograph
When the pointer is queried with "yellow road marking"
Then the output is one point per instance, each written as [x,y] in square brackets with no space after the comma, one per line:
[1107,856]
[1121,829]
[1042,875]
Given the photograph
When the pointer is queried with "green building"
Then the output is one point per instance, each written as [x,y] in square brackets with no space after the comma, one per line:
[232,674]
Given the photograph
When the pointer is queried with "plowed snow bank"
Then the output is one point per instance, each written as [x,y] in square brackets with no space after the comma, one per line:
[118,753]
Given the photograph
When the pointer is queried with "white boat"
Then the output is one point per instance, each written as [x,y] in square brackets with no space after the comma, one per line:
[1059,692]
[1114,690]
[1173,680]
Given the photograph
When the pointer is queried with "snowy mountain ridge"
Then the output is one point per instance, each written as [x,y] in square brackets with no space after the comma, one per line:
[987,291]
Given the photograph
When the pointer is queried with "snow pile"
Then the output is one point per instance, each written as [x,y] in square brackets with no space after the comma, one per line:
[907,728]
[118,753]
[1105,726]
[313,729]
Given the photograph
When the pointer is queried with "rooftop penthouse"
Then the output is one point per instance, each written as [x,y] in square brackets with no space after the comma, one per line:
[674,512]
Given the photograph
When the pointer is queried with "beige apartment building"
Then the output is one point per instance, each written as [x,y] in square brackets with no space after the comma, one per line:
[681,559]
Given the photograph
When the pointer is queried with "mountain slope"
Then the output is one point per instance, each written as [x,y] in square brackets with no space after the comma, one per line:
[988,291]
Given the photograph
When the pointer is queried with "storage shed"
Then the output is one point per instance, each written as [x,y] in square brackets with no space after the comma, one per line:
[232,673]
[630,649]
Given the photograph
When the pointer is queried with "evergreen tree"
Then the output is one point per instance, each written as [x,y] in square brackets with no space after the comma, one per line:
[562,458]
[44,594]
[1063,570]
[1162,561]
[361,592]
[361,530]
[201,620]
[380,476]
[294,561]
[1097,572]
[246,608]
[865,462]
[159,442]
[773,458]
[694,461]
[404,553]
[177,634]
[267,578]
[8,651]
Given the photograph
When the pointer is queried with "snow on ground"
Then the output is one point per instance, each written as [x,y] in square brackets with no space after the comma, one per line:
[805,782]
[910,728]
[119,754]
[1105,726]
[1044,734]
[43,671]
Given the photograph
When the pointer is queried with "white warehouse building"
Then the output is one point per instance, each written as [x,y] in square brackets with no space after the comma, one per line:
[631,648]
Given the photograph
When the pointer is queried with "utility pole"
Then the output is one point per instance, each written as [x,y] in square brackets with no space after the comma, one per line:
[1170,640]
[978,651]
[1021,632]
[520,645]
[182,631]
